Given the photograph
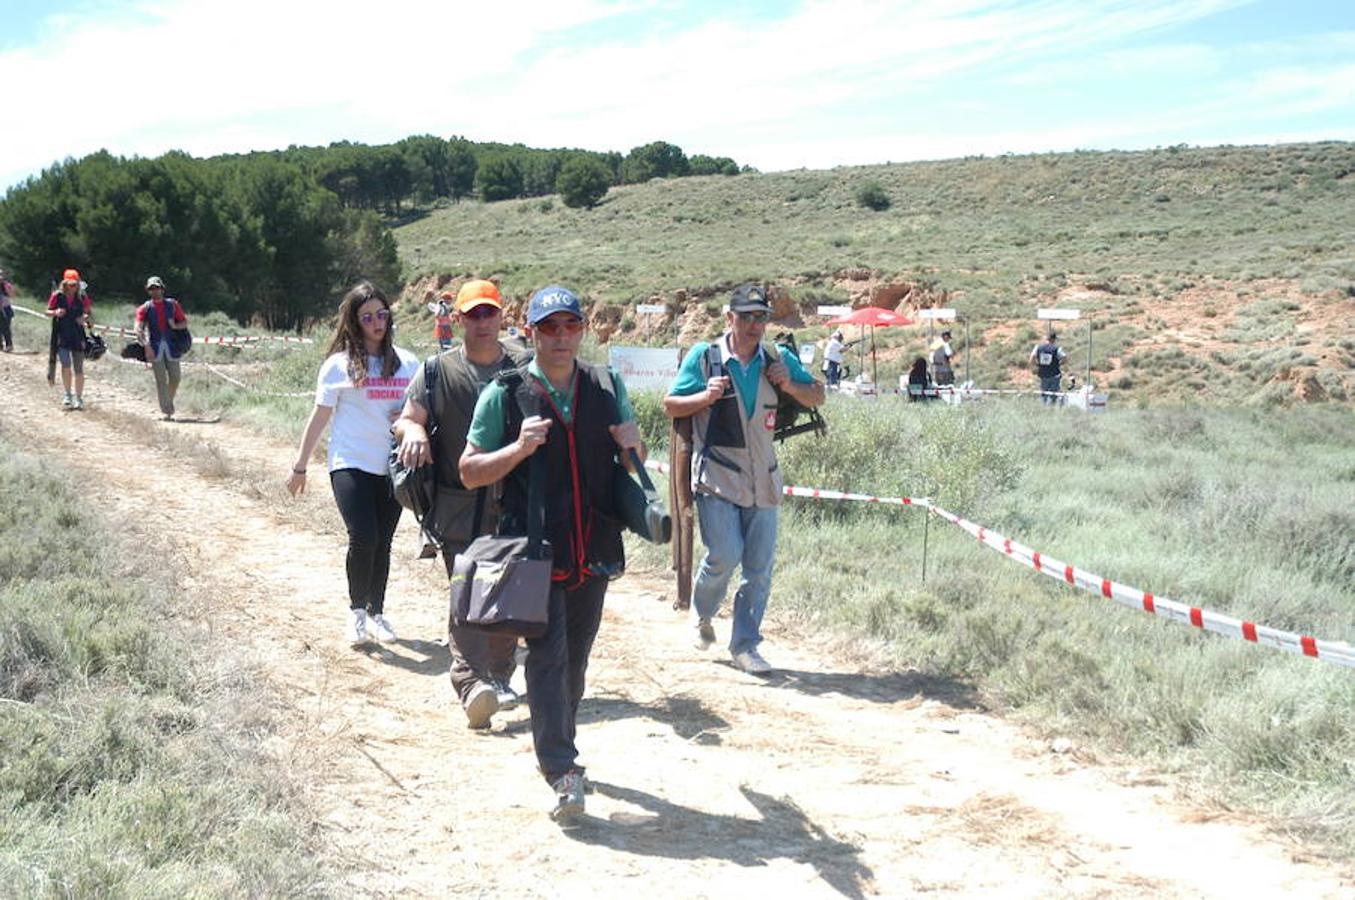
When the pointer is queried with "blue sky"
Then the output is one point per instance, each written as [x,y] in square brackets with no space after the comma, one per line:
[776,85]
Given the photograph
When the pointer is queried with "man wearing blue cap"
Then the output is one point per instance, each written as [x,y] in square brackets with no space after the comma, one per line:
[730,390]
[577,415]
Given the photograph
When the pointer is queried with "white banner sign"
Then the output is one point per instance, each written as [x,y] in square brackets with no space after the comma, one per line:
[834,310]
[936,313]
[650,308]
[1058,314]
[646,367]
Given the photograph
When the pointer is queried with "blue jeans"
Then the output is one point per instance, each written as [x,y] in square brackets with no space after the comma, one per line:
[736,535]
[1051,388]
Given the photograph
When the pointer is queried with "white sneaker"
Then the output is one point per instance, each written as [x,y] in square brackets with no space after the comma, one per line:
[751,662]
[79,402]
[68,401]
[381,628]
[356,632]
[705,634]
[481,706]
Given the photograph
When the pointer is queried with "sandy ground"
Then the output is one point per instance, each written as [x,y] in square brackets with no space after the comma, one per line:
[822,781]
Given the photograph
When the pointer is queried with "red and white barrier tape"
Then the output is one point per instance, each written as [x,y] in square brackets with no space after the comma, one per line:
[820,493]
[240,384]
[1340,653]
[1332,651]
[232,339]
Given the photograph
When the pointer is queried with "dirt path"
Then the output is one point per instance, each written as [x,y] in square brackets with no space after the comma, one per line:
[821,782]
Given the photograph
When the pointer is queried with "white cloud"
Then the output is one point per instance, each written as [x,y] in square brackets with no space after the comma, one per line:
[827,83]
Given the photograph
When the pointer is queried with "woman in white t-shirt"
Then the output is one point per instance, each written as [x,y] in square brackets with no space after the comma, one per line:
[361,387]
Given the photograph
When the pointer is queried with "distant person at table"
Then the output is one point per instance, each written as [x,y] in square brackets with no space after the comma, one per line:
[917,380]
[942,354]
[833,356]
[1047,358]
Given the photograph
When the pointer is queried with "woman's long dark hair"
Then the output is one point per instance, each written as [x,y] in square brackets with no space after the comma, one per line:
[348,334]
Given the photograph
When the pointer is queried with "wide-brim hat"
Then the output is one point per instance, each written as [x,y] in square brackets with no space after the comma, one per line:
[154,281]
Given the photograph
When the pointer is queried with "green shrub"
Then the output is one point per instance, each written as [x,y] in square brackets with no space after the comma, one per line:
[872,195]
[583,181]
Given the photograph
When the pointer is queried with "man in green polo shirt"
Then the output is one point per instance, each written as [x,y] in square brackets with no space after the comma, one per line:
[576,415]
[730,389]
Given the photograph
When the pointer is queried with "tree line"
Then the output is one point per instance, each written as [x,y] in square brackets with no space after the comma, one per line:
[274,236]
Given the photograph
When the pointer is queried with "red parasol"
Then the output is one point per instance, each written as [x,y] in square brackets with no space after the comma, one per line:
[872,316]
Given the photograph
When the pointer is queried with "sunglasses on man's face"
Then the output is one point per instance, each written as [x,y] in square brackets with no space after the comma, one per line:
[557,327]
[483,311]
[755,317]
[380,315]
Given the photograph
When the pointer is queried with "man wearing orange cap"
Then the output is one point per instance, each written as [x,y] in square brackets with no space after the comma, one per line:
[69,308]
[482,664]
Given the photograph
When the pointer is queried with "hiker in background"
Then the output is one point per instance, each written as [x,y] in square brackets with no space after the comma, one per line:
[942,373]
[6,313]
[1047,360]
[361,386]
[917,381]
[832,357]
[730,389]
[563,409]
[71,311]
[442,320]
[482,662]
[156,321]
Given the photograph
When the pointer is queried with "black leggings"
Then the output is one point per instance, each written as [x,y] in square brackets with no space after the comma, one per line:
[371,513]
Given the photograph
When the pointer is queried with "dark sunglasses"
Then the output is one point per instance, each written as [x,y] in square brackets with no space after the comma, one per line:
[757,316]
[380,315]
[557,327]
[483,311]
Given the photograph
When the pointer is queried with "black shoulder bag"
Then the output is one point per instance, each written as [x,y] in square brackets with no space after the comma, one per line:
[638,505]
[416,489]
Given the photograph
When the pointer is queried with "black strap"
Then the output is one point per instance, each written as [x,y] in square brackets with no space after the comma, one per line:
[609,385]
[536,497]
[430,380]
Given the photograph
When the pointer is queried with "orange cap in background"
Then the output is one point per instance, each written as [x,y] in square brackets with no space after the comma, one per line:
[476,293]
[70,275]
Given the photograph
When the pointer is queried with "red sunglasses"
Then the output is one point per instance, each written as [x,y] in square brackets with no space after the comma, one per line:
[483,311]
[557,327]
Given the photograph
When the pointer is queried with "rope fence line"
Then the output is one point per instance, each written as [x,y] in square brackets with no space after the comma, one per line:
[1336,652]
[221,340]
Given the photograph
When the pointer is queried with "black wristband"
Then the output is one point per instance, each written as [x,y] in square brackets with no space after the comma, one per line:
[299,471]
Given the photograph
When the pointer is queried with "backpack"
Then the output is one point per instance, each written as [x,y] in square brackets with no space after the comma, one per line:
[180,339]
[788,409]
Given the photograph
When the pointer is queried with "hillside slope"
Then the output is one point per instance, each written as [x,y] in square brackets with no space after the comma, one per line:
[1221,273]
